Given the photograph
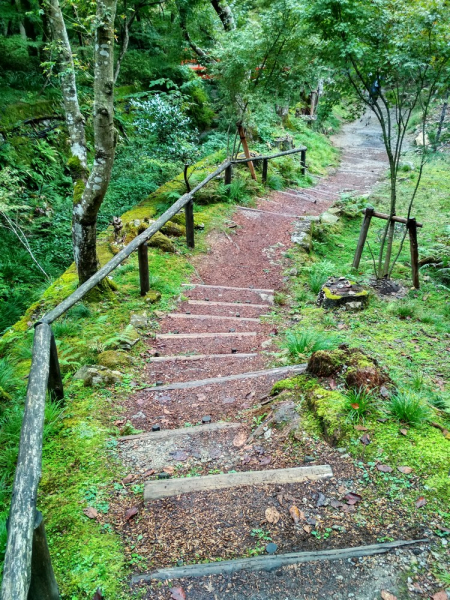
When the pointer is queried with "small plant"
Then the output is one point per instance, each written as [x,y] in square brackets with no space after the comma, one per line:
[358,404]
[79,311]
[275,182]
[65,328]
[319,273]
[417,381]
[409,408]
[258,420]
[309,341]
[404,309]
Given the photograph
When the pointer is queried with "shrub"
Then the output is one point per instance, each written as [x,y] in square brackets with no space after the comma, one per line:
[309,341]
[409,408]
[275,182]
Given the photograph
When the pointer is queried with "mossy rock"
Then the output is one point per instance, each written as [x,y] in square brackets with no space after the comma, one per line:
[329,409]
[112,359]
[152,296]
[179,219]
[103,291]
[173,229]
[355,366]
[161,241]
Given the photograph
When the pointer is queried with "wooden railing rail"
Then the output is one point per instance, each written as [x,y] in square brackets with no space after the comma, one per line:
[28,572]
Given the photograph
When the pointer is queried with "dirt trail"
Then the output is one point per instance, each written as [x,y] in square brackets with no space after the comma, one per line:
[245,269]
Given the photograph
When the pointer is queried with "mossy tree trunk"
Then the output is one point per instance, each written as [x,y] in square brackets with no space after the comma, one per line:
[90,185]
[224,13]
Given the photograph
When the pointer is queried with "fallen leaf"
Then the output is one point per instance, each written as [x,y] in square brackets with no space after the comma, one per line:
[387,595]
[348,508]
[240,439]
[265,460]
[404,431]
[307,528]
[361,428]
[119,422]
[353,498]
[420,502]
[405,470]
[442,595]
[336,503]
[385,468]
[272,515]
[177,594]
[149,472]
[90,512]
[295,513]
[131,512]
[355,406]
[128,479]
[332,384]
[342,490]
[365,439]
[280,499]
[170,470]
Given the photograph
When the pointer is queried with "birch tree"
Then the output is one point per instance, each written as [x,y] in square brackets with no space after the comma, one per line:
[90,181]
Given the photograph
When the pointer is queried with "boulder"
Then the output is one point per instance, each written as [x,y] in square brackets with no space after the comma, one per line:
[421,140]
[352,364]
[152,296]
[112,359]
[302,235]
[173,229]
[97,376]
[161,241]
[328,218]
[139,321]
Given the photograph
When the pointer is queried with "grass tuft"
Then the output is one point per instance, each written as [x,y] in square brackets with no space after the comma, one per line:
[308,341]
[358,403]
[409,408]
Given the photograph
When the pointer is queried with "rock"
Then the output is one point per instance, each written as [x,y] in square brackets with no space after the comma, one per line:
[328,218]
[421,141]
[302,234]
[97,376]
[152,296]
[139,321]
[161,241]
[112,359]
[125,340]
[334,210]
[342,293]
[356,367]
[285,142]
[174,229]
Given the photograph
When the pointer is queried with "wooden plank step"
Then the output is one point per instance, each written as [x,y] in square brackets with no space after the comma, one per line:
[199,336]
[229,304]
[154,490]
[267,212]
[184,316]
[182,357]
[165,434]
[278,371]
[266,563]
[224,287]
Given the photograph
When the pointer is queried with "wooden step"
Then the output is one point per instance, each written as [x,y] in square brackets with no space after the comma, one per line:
[268,563]
[200,317]
[225,304]
[165,434]
[182,357]
[154,490]
[276,372]
[224,287]
[199,336]
[268,212]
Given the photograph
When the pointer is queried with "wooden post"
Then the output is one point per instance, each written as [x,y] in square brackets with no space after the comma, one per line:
[303,161]
[55,384]
[414,247]
[368,214]
[43,584]
[264,170]
[189,212]
[228,174]
[144,276]
[246,150]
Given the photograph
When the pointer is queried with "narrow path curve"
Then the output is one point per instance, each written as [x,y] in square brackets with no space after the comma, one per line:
[209,365]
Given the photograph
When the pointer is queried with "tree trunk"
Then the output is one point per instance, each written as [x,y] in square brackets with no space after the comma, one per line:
[182,11]
[224,13]
[442,119]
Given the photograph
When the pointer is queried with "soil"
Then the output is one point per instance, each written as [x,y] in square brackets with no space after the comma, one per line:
[215,525]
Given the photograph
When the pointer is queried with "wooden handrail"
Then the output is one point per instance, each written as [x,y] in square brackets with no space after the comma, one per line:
[269,157]
[44,375]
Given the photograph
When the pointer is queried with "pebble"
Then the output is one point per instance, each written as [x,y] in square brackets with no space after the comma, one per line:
[308,459]
[156,428]
[271,548]
[206,419]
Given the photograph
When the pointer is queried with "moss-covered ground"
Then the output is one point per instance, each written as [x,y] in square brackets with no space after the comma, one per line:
[409,337]
[79,464]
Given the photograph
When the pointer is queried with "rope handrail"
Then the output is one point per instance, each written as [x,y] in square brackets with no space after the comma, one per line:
[28,572]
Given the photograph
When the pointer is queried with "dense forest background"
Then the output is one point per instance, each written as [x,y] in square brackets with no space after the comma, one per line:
[173,105]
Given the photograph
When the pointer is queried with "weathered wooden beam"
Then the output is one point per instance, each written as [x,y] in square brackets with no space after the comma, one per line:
[264,170]
[43,584]
[228,174]
[55,384]
[189,212]
[303,161]
[414,247]
[268,156]
[144,275]
[267,563]
[368,214]
[246,150]
[17,565]
[394,218]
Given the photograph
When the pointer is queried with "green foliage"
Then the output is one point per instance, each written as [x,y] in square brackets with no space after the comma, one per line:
[308,341]
[409,408]
[358,404]
[318,273]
